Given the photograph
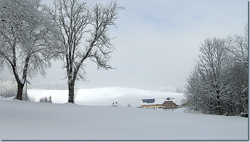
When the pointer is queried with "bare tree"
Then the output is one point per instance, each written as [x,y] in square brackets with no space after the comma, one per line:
[207,88]
[27,39]
[239,47]
[219,83]
[84,32]
[211,63]
[237,76]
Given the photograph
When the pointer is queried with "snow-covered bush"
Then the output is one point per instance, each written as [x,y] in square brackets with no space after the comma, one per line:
[46,100]
[31,99]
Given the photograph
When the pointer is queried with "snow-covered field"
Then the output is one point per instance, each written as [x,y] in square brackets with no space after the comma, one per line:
[105,96]
[45,121]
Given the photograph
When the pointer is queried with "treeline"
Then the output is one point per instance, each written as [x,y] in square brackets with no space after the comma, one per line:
[219,82]
[49,86]
[160,88]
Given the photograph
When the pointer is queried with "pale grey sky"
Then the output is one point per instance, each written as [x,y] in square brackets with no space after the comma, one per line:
[157,41]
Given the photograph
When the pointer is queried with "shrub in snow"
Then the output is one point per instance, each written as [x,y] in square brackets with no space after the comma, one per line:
[46,100]
[31,99]
[129,105]
[244,115]
[114,104]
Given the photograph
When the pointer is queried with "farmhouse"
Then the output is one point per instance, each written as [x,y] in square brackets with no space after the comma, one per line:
[152,103]
[158,104]
[169,105]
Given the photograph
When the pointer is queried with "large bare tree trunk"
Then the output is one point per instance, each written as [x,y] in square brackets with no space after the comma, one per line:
[71,87]
[20,85]
[218,105]
[218,100]
[19,90]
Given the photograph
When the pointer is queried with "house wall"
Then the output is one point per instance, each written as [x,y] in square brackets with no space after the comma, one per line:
[169,105]
[155,106]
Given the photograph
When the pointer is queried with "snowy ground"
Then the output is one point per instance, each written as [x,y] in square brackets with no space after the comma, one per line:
[44,121]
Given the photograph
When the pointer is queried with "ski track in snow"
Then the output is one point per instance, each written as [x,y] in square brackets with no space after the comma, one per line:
[44,121]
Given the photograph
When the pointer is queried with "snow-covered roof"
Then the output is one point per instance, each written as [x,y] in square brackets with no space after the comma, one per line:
[153,101]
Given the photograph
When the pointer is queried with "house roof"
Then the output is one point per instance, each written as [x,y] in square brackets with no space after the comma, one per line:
[169,103]
[152,101]
[148,100]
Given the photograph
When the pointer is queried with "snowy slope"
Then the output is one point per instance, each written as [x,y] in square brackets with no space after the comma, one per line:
[105,96]
[44,121]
